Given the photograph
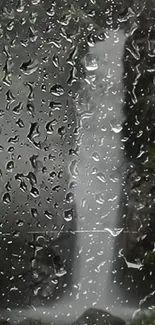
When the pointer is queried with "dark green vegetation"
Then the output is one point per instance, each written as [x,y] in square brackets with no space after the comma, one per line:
[145,320]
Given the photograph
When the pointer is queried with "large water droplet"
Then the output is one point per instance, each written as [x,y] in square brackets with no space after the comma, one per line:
[30,109]
[116,126]
[69,197]
[114,232]
[33,160]
[6,198]
[101,177]
[20,123]
[95,156]
[23,186]
[29,67]
[49,127]
[99,197]
[55,61]
[32,178]
[90,62]
[34,213]
[48,215]
[57,90]
[68,215]
[18,108]
[73,169]
[34,192]
[61,272]
[51,11]
[10,166]
[62,130]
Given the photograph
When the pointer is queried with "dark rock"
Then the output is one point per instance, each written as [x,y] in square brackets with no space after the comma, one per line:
[94,316]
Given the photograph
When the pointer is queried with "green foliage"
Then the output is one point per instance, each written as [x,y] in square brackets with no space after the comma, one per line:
[150,157]
[145,320]
[149,258]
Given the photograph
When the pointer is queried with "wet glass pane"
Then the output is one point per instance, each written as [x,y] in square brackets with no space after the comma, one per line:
[77,162]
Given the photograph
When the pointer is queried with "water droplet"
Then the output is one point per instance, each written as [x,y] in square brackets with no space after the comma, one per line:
[65,19]
[90,62]
[33,17]
[18,108]
[73,185]
[53,174]
[10,166]
[33,131]
[32,178]
[116,126]
[8,186]
[51,11]
[73,169]
[114,177]
[14,139]
[49,127]
[72,76]
[69,197]
[56,188]
[20,123]
[99,198]
[34,192]
[34,213]
[115,232]
[23,186]
[30,109]
[68,215]
[8,72]
[96,156]
[62,131]
[101,177]
[20,223]
[9,96]
[48,215]
[99,267]
[35,2]
[33,161]
[91,40]
[20,6]
[57,90]
[19,177]
[55,61]
[30,85]
[32,34]
[61,272]
[29,67]
[60,174]
[10,25]
[55,106]
[6,198]
[1,113]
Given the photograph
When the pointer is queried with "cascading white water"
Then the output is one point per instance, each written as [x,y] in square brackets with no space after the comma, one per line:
[101,156]
[99,181]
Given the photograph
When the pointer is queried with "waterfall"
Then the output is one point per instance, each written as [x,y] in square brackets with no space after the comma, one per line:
[101,158]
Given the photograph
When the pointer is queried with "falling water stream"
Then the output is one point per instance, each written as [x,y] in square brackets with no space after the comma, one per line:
[99,181]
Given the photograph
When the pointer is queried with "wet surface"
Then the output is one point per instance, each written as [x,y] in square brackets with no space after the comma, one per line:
[76,158]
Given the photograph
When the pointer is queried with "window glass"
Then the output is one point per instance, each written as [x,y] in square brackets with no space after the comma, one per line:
[77,165]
